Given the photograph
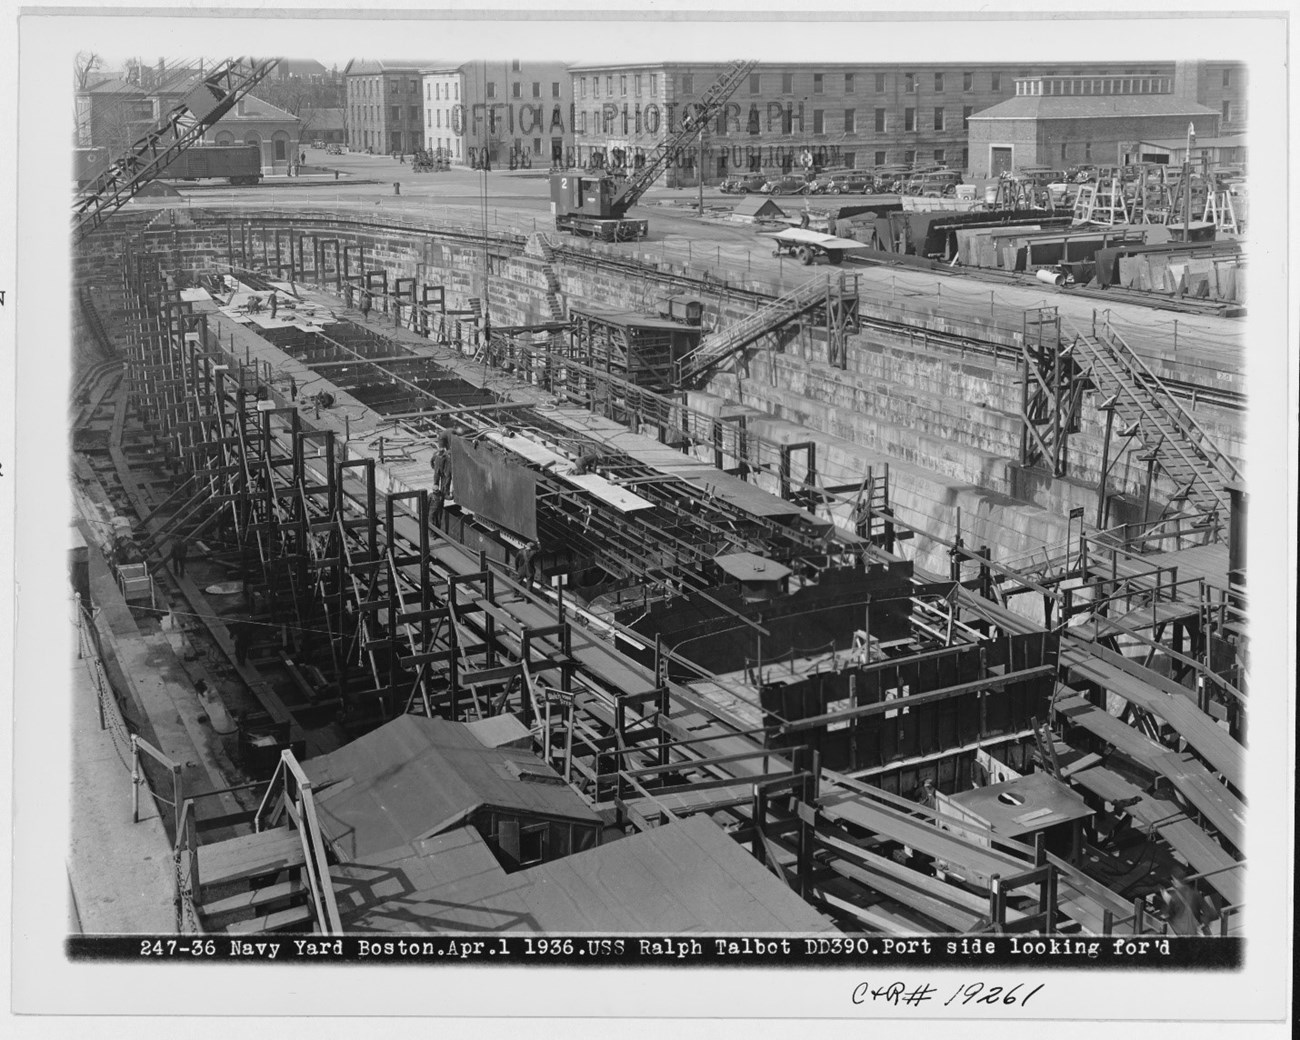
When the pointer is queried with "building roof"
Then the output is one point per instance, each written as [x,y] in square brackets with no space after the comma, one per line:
[299,67]
[758,206]
[373,66]
[415,777]
[1128,106]
[684,878]
[257,110]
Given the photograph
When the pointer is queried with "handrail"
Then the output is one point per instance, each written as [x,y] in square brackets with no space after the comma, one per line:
[1134,361]
[317,865]
[187,844]
[139,744]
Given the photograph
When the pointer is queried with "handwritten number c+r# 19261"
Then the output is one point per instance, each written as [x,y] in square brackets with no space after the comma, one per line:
[901,994]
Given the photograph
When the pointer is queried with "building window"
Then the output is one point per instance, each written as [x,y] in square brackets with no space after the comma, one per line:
[880,120]
[881,157]
[1227,78]
[850,120]
[414,86]
[609,86]
[428,90]
[938,118]
[1227,111]
[938,82]
[848,83]
[438,124]
[622,85]
[967,81]
[584,122]
[880,82]
[754,82]
[819,122]
[515,89]
[965,116]
[514,66]
[849,160]
[555,89]
[787,83]
[909,157]
[456,90]
[1062,151]
[1087,151]
[654,76]
[965,158]
[582,87]
[909,119]
[940,155]
[537,146]
[415,114]
[819,83]
[537,90]
[909,83]
[396,114]
[996,85]
[491,89]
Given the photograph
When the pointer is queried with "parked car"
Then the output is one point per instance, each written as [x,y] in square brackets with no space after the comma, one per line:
[840,182]
[787,184]
[334,149]
[1082,174]
[319,145]
[891,179]
[1040,176]
[935,184]
[744,183]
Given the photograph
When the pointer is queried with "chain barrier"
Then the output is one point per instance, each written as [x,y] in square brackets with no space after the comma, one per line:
[109,712]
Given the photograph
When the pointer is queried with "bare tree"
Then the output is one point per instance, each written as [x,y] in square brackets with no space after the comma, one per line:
[86,62]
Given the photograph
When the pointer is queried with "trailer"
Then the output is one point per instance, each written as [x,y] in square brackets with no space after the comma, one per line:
[807,245]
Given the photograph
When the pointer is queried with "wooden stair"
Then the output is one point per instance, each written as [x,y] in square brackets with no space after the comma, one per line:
[254,884]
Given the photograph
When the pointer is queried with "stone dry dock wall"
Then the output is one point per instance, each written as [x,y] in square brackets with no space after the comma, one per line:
[947,423]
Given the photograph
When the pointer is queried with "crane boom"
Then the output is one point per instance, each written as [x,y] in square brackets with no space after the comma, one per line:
[215,95]
[691,127]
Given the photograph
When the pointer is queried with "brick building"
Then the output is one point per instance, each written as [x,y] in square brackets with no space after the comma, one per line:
[841,115]
[385,109]
[1062,121]
[254,121]
[848,115]
[501,111]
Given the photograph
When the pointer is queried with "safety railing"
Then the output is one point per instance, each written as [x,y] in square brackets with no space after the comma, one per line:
[289,793]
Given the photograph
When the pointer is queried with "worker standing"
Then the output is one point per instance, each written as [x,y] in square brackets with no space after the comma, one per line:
[179,553]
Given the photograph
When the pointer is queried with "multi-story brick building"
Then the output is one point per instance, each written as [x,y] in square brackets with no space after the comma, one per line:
[1065,120]
[832,115]
[385,109]
[499,112]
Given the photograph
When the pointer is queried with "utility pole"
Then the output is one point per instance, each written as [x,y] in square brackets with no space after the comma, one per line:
[700,201]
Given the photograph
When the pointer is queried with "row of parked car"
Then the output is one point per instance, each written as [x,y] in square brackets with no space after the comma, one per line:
[933,183]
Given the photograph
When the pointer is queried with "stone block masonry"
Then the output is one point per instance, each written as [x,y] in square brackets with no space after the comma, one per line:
[946,421]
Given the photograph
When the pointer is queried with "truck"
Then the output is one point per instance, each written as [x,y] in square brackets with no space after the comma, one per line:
[240,164]
[595,204]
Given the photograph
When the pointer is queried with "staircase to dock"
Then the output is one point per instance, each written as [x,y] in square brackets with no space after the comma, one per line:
[719,346]
[1175,442]
[255,883]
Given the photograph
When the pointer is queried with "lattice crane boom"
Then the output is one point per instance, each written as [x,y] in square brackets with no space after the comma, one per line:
[705,109]
[207,102]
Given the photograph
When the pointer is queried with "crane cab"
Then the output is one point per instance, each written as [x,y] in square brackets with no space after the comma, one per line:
[585,205]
